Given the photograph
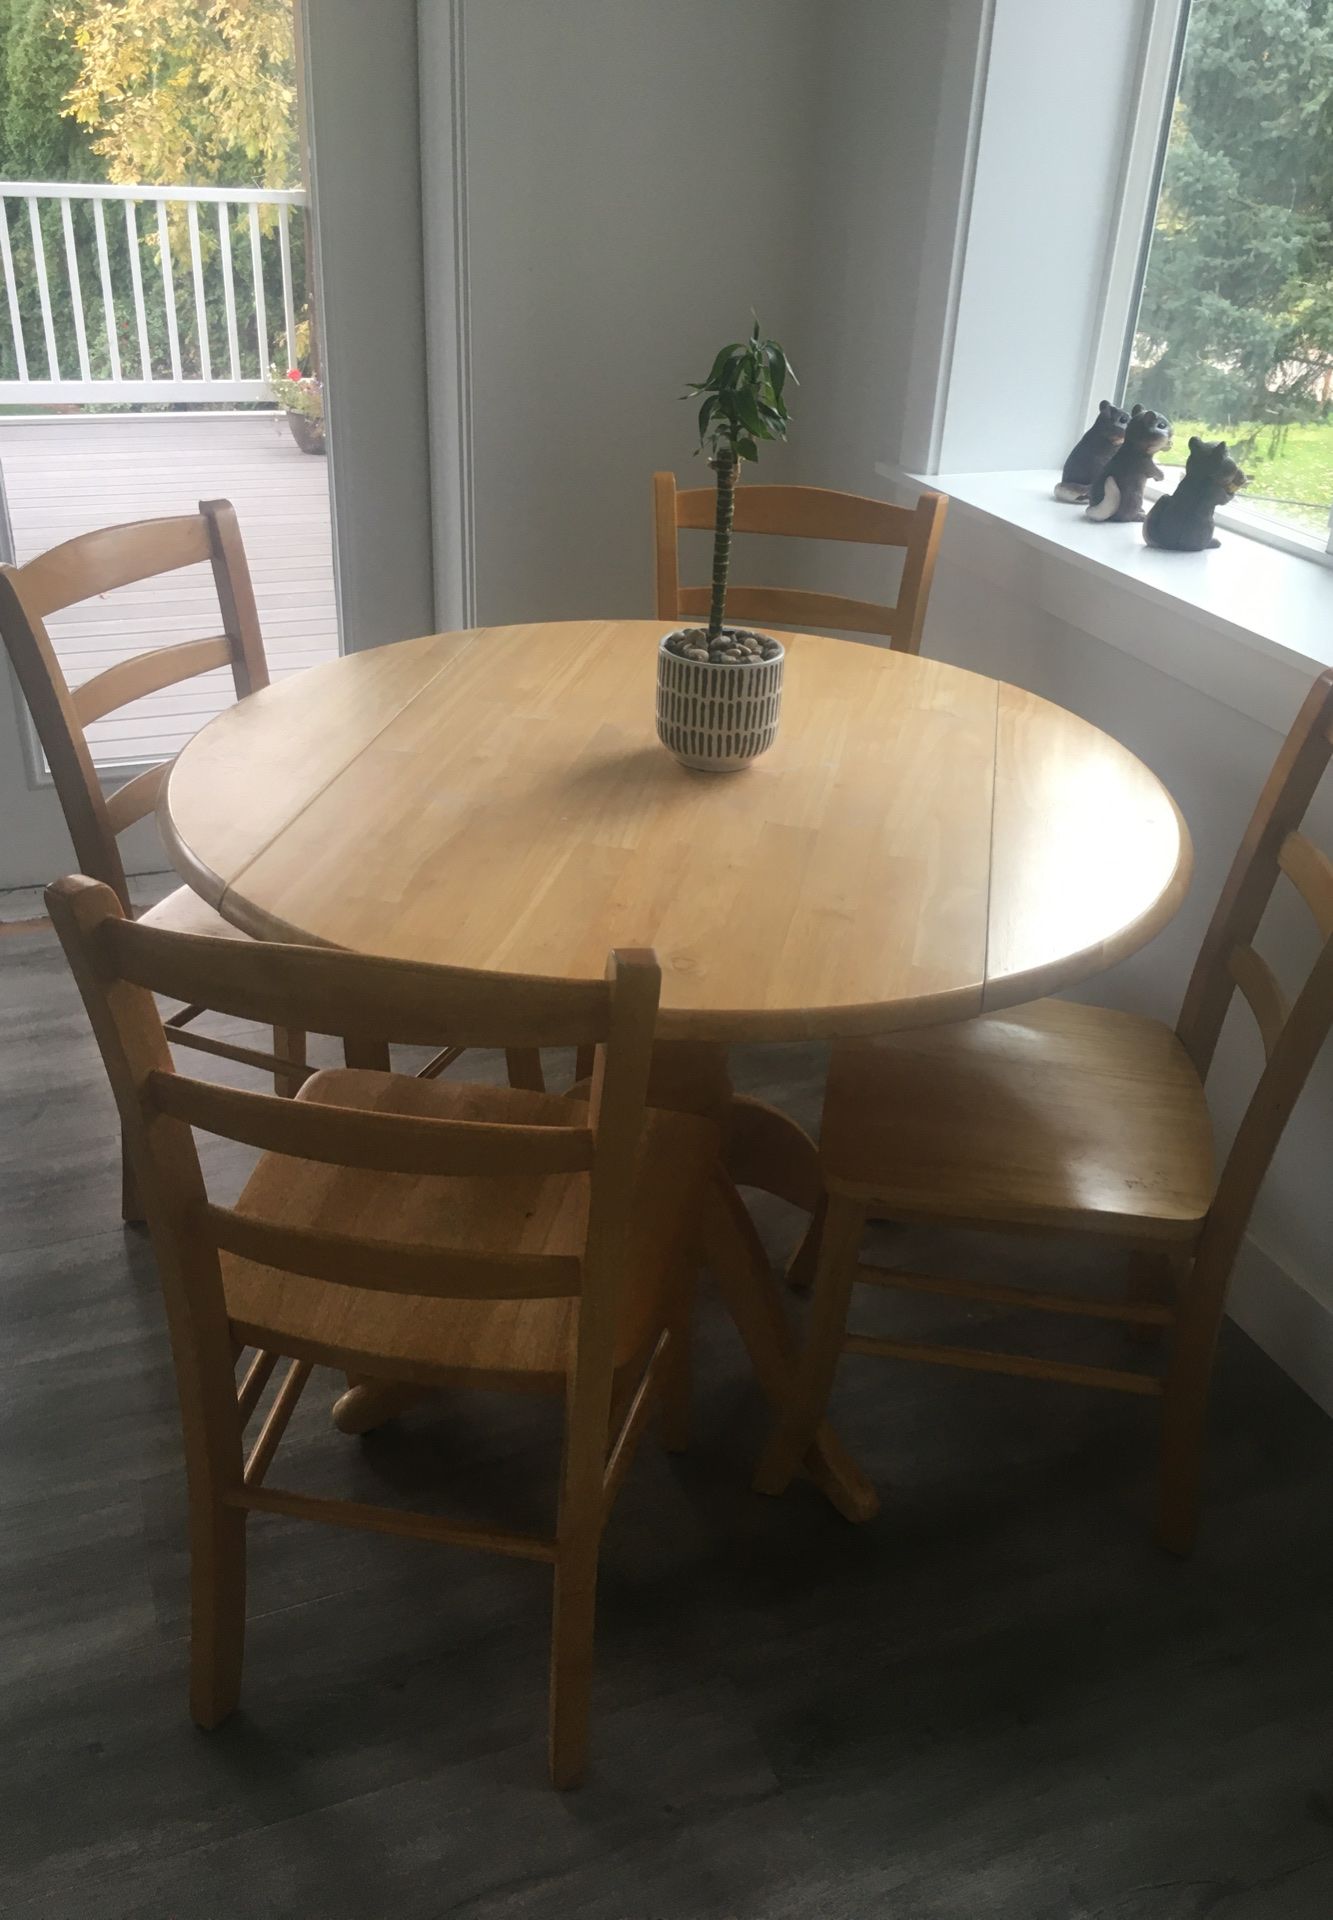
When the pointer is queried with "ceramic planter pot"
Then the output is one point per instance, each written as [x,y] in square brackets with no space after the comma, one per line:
[717,718]
[307,433]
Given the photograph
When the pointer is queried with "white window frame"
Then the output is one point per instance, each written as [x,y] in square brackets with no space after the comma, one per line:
[1122,291]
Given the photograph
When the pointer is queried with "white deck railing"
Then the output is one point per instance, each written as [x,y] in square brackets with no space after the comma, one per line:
[97,313]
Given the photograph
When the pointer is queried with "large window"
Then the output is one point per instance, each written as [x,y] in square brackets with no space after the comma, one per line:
[1235,329]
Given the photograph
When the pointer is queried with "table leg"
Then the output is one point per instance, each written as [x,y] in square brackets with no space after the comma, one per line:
[767,1149]
[736,1256]
[764,1148]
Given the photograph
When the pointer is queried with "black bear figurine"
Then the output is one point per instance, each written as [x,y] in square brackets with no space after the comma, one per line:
[1088,460]
[1183,521]
[1117,493]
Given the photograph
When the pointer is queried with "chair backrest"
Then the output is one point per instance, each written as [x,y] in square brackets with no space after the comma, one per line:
[120,965]
[95,563]
[1292,1031]
[807,513]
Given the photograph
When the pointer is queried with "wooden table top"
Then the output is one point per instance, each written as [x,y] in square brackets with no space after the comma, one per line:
[920,844]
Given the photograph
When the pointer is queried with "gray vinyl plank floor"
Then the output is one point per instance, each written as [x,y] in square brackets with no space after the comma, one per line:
[997,1699]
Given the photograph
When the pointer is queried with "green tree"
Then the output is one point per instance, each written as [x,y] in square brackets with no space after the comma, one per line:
[191,92]
[1237,314]
[37,69]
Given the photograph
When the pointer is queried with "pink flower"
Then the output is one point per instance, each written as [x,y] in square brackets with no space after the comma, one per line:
[294,373]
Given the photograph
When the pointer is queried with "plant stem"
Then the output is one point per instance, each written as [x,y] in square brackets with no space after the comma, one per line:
[724,466]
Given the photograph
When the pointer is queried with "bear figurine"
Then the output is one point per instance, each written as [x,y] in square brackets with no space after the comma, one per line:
[1117,493]
[1088,460]
[1183,521]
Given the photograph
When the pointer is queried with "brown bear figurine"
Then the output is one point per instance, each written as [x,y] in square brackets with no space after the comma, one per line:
[1117,494]
[1183,521]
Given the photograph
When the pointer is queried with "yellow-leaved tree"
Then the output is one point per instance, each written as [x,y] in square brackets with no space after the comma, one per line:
[186,92]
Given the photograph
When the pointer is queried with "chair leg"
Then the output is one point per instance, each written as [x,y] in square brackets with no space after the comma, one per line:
[572,1627]
[677,1391]
[217,1610]
[839,1245]
[525,1069]
[289,1044]
[131,1206]
[1184,1422]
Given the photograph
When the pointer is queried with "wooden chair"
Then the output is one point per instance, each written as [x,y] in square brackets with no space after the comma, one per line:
[1061,1118]
[95,563]
[809,513]
[403,1229]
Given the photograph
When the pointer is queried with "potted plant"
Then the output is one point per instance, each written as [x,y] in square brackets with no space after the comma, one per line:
[301,397]
[719,688]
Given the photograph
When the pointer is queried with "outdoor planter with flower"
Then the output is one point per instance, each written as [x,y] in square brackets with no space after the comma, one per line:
[301,398]
[719,688]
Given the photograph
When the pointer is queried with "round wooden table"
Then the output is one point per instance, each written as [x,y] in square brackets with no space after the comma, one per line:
[921,844]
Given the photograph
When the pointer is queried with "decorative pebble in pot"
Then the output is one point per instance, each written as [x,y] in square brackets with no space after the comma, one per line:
[719,688]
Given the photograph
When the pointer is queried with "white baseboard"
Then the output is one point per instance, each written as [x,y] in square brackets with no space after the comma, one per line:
[1292,1325]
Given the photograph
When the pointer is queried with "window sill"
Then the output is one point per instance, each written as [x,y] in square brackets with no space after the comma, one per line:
[1247,623]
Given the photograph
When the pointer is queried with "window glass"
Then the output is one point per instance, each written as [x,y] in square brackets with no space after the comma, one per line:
[1235,329]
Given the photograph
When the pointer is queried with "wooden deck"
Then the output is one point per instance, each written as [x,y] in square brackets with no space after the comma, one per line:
[68,473]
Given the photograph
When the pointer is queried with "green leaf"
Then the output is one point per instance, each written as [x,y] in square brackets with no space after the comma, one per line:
[742,396]
[747,408]
[778,360]
[715,371]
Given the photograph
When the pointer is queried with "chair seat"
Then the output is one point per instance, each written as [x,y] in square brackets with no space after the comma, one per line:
[523,1344]
[1055,1116]
[185,912]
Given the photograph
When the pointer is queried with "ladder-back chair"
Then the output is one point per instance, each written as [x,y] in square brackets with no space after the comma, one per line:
[808,513]
[403,1230]
[79,569]
[1064,1118]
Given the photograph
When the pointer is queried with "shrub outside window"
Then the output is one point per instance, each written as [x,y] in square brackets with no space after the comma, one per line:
[1234,337]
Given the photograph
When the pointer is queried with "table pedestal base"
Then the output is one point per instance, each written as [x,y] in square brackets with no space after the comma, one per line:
[761,1147]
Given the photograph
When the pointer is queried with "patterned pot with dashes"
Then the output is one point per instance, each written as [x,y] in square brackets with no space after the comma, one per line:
[718,707]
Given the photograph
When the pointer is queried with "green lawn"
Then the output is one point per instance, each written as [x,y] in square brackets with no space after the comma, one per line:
[1291,465]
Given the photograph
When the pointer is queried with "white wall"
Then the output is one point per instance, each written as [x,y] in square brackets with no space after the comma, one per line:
[638,177]
[361,96]
[877,116]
